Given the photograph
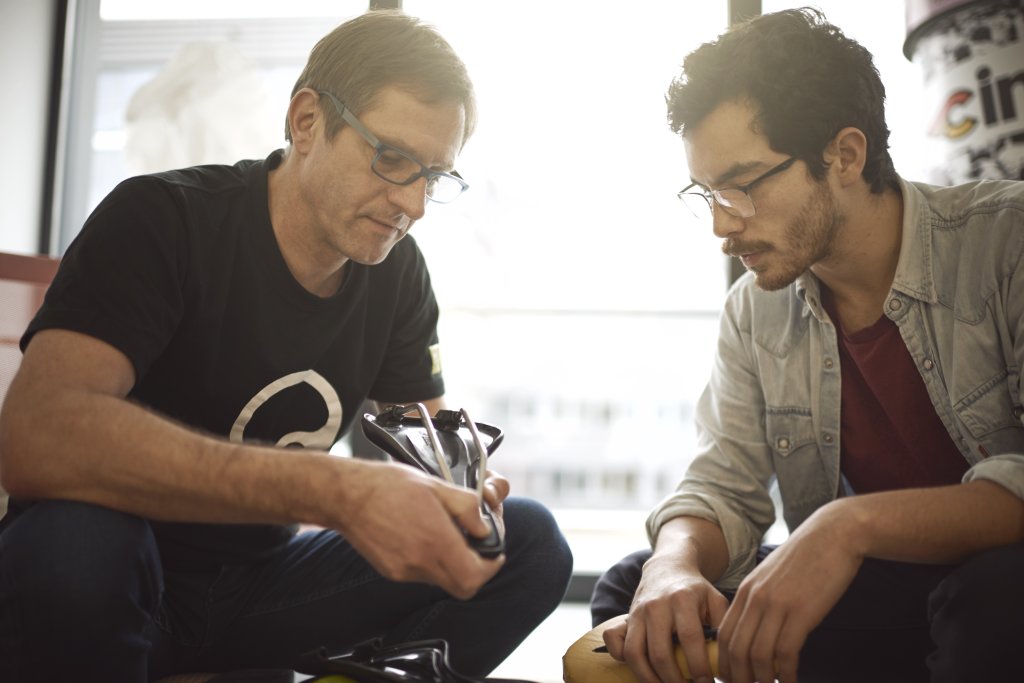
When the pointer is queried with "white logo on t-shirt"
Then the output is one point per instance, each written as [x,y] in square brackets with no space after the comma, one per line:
[322,438]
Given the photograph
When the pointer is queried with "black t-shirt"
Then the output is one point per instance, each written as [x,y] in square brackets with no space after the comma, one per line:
[181,272]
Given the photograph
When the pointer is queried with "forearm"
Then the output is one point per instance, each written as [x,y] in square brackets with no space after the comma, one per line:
[694,545]
[106,450]
[941,525]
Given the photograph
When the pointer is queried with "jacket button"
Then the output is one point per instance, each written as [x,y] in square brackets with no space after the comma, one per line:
[928,364]
[894,304]
[827,438]
[782,443]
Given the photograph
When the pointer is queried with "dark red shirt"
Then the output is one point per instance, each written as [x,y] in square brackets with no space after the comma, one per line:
[891,437]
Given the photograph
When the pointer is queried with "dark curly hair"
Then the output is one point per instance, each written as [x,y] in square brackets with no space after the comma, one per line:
[804,77]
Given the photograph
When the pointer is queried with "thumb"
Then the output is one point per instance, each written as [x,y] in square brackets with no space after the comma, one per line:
[463,506]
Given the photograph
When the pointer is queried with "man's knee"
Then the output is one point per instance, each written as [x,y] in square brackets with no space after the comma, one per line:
[78,586]
[613,592]
[536,545]
[977,616]
[77,556]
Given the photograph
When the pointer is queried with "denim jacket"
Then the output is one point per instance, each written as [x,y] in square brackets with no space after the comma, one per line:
[771,409]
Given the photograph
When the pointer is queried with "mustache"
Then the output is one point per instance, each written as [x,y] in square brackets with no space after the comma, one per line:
[732,247]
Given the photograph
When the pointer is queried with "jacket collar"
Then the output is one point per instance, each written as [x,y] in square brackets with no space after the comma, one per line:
[913,277]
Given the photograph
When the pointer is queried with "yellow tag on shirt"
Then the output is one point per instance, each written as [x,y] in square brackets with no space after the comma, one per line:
[435,359]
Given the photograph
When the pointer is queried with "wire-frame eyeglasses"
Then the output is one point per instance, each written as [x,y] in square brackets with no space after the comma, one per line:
[398,167]
[735,201]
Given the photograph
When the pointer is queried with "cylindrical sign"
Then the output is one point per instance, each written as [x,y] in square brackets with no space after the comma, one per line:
[971,55]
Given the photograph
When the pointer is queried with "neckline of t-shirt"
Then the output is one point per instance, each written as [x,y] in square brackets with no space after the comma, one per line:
[866,335]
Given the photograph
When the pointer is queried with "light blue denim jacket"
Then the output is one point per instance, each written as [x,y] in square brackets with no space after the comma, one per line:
[771,408]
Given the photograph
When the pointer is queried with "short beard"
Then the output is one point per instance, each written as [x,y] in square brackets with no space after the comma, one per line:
[809,239]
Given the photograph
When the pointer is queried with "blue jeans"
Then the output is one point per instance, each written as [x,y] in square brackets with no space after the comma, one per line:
[83,596]
[897,622]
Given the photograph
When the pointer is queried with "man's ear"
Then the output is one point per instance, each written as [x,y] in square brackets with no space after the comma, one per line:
[846,155]
[305,119]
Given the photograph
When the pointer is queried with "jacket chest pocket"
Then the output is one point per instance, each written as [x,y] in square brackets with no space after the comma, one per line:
[804,484]
[789,430]
[992,415]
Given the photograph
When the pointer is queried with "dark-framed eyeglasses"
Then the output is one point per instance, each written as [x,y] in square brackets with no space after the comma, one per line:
[398,167]
[734,201]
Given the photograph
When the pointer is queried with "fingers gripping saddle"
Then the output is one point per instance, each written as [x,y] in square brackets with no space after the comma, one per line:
[449,445]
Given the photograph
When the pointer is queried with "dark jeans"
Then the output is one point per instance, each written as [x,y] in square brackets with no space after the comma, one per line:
[83,597]
[897,622]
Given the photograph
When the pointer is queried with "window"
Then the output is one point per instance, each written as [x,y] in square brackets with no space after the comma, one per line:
[158,85]
[581,299]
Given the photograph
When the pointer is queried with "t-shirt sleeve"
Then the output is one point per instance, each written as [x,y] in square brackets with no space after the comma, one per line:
[120,280]
[411,370]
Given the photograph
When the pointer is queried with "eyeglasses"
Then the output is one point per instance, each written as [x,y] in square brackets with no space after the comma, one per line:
[399,168]
[735,201]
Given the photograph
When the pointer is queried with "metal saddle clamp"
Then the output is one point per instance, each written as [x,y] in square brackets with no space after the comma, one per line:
[449,445]
[370,662]
[421,661]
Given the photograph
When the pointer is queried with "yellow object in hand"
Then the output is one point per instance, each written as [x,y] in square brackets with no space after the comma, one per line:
[585,662]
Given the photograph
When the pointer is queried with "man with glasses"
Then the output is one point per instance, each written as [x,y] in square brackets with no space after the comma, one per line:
[210,335]
[868,364]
